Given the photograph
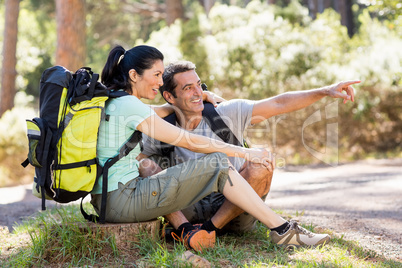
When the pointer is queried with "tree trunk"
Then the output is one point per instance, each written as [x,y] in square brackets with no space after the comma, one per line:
[207,5]
[327,4]
[345,9]
[350,24]
[174,10]
[9,73]
[71,33]
[312,7]
[124,233]
[342,11]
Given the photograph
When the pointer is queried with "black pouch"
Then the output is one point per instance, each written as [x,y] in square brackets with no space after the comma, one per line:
[39,141]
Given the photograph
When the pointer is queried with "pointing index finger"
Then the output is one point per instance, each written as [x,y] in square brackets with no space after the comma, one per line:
[349,89]
[348,83]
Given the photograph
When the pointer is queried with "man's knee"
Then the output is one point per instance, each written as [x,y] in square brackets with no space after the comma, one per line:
[258,176]
[147,168]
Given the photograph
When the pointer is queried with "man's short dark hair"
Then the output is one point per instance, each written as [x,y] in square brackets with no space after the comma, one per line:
[169,83]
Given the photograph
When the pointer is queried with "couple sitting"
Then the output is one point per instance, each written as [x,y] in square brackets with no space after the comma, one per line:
[219,185]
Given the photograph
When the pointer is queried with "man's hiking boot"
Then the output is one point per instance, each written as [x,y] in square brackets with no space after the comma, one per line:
[196,239]
[297,236]
[168,230]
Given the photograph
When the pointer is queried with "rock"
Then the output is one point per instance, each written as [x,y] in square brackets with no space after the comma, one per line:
[4,230]
[319,229]
[195,260]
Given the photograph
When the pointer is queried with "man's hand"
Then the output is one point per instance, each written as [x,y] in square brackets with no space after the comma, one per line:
[212,98]
[336,90]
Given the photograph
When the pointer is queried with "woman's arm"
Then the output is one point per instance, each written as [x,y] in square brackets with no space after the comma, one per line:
[163,110]
[159,129]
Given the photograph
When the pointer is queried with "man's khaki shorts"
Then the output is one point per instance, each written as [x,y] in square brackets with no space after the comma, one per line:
[170,190]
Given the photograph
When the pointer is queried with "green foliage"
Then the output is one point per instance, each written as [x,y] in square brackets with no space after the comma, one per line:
[108,23]
[13,145]
[12,129]
[260,51]
[386,9]
[42,8]
[255,52]
[36,44]
[192,47]
[116,22]
[295,13]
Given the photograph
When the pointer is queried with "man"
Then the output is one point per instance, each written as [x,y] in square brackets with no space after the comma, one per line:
[182,89]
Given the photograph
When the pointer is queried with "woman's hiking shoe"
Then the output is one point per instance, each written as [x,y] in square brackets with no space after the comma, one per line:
[297,236]
[196,239]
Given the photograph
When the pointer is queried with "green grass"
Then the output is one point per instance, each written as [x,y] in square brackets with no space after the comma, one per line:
[49,239]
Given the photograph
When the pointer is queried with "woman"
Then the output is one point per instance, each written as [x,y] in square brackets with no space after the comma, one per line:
[131,198]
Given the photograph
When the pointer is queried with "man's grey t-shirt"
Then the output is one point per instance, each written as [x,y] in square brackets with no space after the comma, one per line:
[235,113]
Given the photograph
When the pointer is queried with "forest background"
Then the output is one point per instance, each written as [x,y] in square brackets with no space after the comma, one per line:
[242,49]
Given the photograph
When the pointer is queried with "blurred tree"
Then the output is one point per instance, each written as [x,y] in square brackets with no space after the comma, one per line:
[207,5]
[248,52]
[174,10]
[193,49]
[71,33]
[123,22]
[388,9]
[345,9]
[38,28]
[317,6]
[280,3]
[313,8]
[295,13]
[9,72]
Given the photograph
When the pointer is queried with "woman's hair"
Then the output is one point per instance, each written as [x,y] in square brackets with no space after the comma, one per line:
[115,74]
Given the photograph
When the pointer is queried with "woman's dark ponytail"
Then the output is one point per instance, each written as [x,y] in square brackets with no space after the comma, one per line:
[112,74]
[115,74]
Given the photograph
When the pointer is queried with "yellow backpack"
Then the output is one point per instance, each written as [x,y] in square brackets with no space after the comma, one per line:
[63,139]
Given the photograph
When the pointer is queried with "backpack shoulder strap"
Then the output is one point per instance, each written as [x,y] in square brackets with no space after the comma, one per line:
[166,148]
[215,122]
[218,126]
[171,118]
[127,147]
[124,151]
[117,93]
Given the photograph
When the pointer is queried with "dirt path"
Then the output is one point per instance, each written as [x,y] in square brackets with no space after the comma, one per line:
[361,200]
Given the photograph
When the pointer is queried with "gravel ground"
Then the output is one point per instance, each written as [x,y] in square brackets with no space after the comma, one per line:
[360,200]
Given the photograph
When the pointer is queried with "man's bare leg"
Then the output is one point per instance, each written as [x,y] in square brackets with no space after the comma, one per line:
[259,179]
